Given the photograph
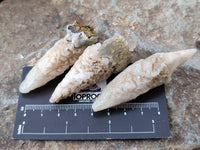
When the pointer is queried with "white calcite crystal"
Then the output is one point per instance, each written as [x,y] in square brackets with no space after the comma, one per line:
[60,57]
[140,77]
[97,63]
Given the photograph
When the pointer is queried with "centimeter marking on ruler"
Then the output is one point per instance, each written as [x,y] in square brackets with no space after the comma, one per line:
[87,106]
[59,107]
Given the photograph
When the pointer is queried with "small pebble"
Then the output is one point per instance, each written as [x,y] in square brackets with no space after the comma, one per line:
[61,13]
[57,25]
[114,23]
[72,10]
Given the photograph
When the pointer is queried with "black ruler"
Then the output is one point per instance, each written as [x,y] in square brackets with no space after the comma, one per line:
[73,118]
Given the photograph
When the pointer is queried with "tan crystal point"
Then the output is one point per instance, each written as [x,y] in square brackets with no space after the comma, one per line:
[57,59]
[140,77]
[97,62]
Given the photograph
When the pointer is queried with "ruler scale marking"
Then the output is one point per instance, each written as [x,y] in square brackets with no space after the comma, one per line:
[87,106]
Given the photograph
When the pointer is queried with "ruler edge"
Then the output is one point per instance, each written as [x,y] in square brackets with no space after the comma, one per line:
[18,104]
